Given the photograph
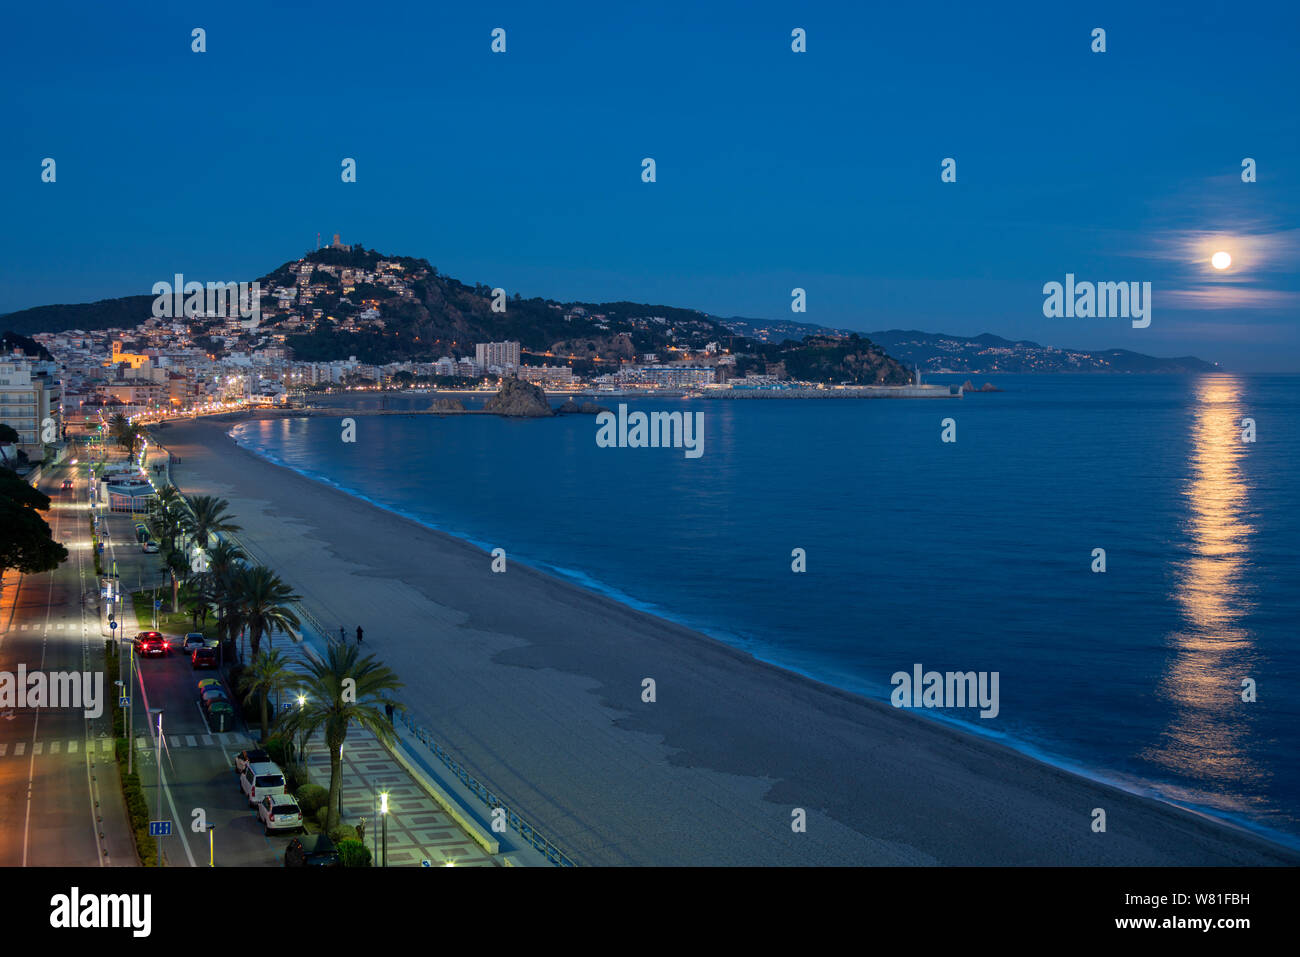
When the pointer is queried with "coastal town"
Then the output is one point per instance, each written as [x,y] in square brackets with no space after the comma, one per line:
[193,353]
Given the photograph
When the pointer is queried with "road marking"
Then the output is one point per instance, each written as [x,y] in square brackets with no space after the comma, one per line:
[105,745]
[207,739]
[72,747]
[54,746]
[189,741]
[176,740]
[20,749]
[141,742]
[3,748]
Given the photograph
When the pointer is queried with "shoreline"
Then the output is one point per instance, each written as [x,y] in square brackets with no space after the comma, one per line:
[1033,750]
[734,742]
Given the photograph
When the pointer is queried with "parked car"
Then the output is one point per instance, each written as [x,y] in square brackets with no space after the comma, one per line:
[152,644]
[311,850]
[252,756]
[193,642]
[149,546]
[203,658]
[67,483]
[262,780]
[279,814]
[141,532]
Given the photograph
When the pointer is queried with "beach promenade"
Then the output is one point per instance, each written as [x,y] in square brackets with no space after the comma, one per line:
[536,686]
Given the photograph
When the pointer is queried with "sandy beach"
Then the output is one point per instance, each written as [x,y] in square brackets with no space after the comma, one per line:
[536,685]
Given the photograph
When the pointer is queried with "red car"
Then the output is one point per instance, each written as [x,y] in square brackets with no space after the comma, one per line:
[151,643]
[203,658]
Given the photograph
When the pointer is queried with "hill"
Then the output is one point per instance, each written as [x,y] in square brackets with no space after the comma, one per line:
[984,354]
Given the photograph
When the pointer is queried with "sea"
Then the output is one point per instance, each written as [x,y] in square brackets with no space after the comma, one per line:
[1174,672]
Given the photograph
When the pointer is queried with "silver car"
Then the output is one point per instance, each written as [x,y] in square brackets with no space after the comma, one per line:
[279,814]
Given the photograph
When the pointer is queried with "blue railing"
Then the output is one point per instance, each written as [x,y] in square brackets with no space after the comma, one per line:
[481,791]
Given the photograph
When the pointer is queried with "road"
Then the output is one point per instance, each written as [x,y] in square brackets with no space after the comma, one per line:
[60,793]
[60,797]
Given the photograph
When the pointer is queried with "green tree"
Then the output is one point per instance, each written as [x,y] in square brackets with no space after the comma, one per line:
[264,603]
[269,674]
[207,516]
[343,689]
[25,539]
[8,436]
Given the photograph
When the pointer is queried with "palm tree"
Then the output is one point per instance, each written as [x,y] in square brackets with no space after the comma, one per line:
[207,516]
[264,603]
[224,561]
[129,438]
[268,675]
[165,525]
[117,426]
[342,691]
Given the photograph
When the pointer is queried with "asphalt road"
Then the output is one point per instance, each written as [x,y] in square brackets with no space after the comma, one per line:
[60,798]
[60,794]
[200,784]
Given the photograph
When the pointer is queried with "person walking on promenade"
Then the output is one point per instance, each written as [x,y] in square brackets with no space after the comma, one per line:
[388,707]
[358,634]
[343,636]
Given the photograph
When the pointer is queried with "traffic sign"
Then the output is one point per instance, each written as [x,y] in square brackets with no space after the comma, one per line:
[160,828]
[113,625]
[124,702]
[157,603]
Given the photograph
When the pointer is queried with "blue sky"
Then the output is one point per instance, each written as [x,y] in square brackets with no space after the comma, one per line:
[775,169]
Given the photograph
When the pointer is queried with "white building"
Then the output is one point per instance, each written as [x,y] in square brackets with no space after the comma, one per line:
[30,401]
[503,354]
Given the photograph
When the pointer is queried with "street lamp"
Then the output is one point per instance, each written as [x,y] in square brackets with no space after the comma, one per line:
[159,712]
[130,705]
[383,817]
[211,856]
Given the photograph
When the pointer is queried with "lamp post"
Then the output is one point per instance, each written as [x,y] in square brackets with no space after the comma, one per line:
[130,708]
[211,855]
[383,816]
[159,712]
[302,704]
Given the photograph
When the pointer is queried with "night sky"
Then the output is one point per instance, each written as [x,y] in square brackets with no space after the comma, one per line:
[775,169]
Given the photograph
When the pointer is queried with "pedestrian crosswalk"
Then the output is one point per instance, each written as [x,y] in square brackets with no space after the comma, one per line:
[74,629]
[225,741]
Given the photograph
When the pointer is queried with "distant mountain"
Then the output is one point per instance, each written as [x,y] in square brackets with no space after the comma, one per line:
[777,330]
[126,312]
[985,354]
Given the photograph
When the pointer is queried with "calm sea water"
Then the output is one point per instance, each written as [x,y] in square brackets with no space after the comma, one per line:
[974,555]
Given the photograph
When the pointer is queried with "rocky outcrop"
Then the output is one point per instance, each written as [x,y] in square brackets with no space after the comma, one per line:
[448,405]
[587,408]
[519,399]
[969,386]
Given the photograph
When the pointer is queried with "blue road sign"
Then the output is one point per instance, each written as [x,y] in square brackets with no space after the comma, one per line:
[426,864]
[157,603]
[160,828]
[124,702]
[113,625]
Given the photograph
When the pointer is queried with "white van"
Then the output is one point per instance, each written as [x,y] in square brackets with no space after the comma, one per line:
[262,780]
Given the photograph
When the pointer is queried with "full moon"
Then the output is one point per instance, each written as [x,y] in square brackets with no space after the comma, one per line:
[1220,260]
